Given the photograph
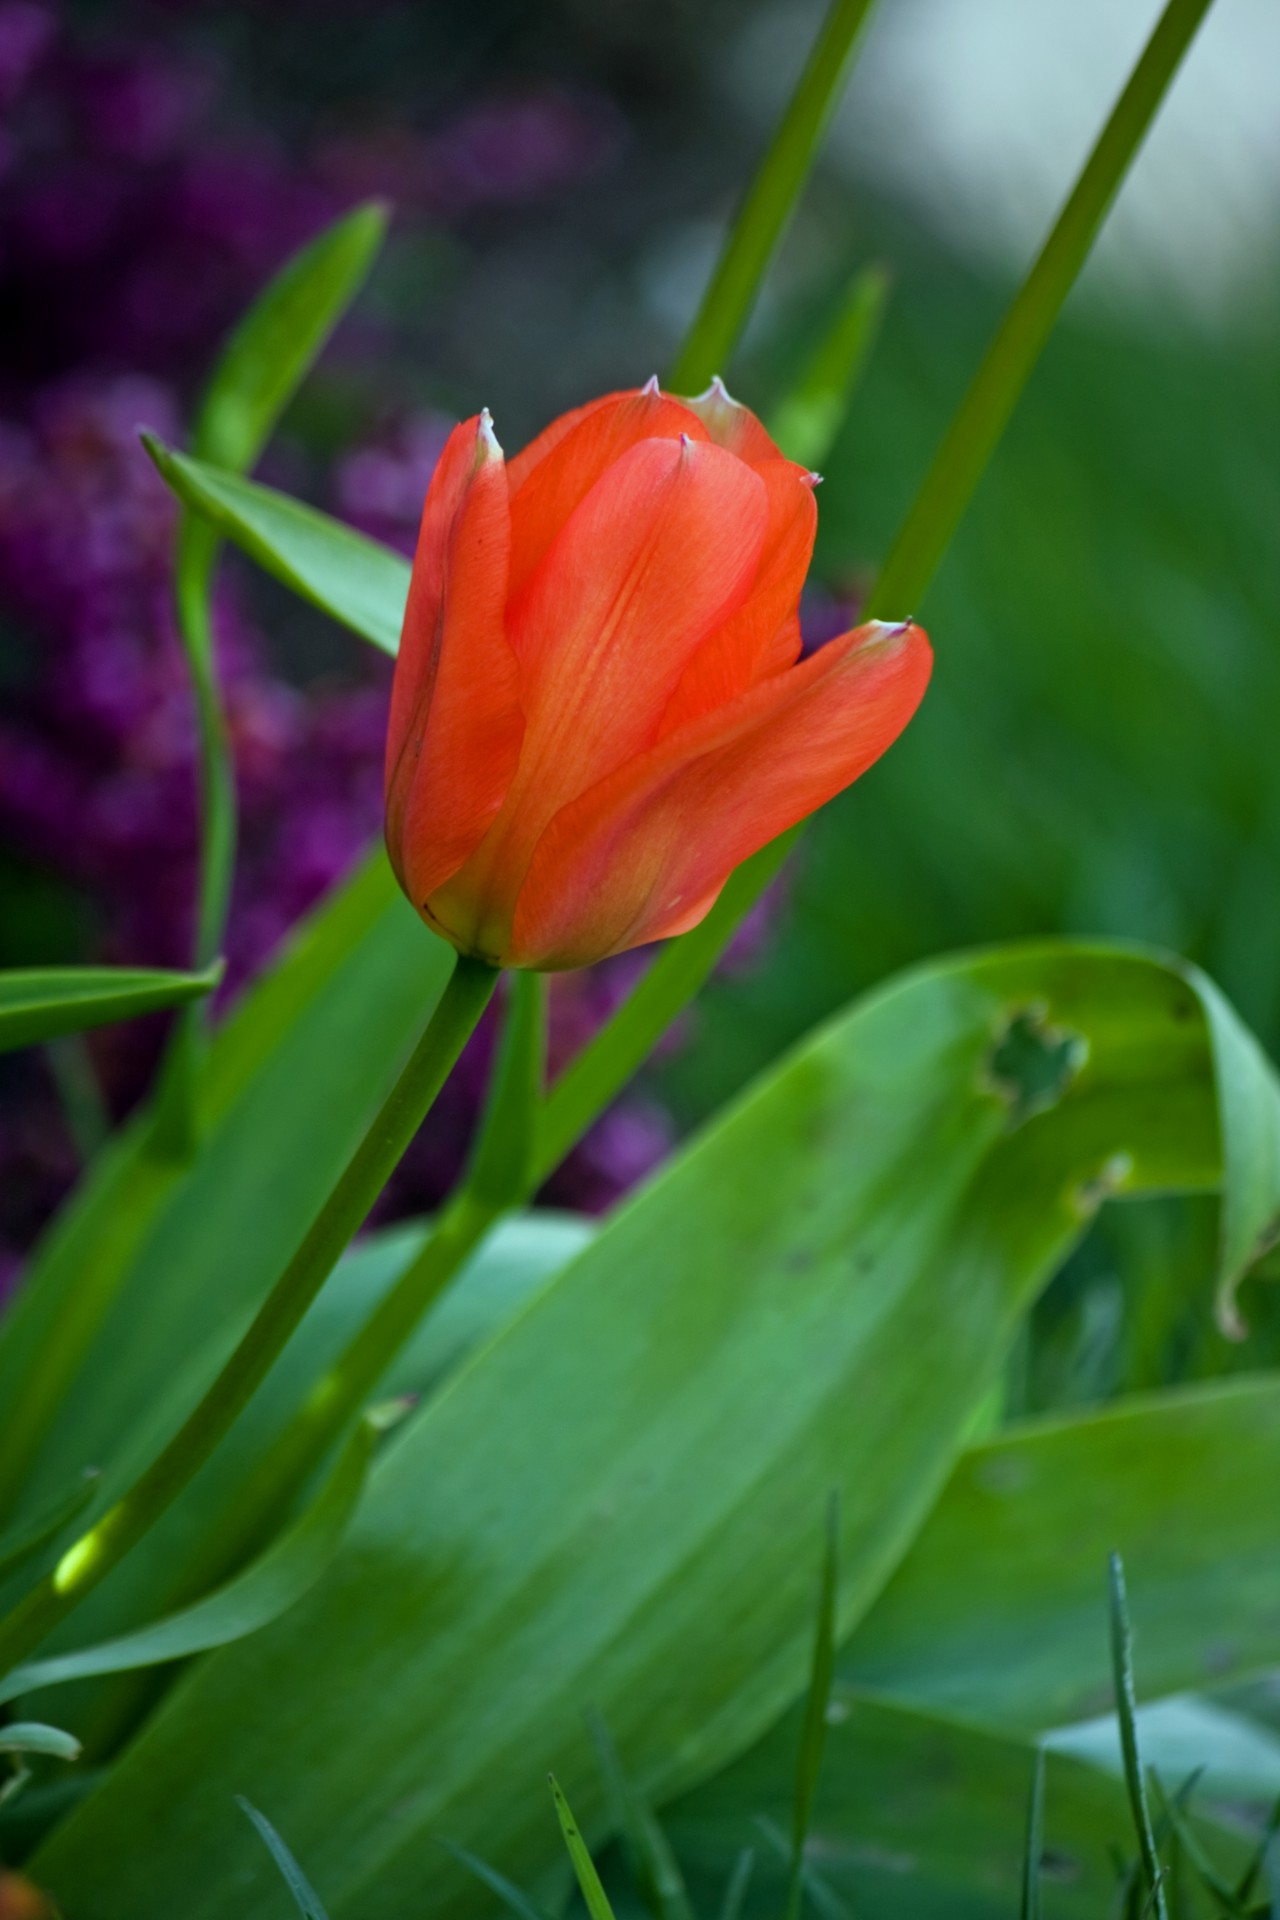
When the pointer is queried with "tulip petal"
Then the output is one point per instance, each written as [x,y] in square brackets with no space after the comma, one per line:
[645,853]
[583,446]
[660,553]
[763,637]
[454,734]
[732,425]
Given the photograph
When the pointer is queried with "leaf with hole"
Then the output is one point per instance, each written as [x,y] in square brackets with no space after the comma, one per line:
[657,1430]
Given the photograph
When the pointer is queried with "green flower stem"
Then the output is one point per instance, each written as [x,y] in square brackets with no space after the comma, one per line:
[578,1098]
[984,412]
[605,1065]
[175,1116]
[264,1503]
[621,1045]
[123,1525]
[772,196]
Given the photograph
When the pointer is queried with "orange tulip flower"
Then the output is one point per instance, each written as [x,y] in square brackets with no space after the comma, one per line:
[599,709]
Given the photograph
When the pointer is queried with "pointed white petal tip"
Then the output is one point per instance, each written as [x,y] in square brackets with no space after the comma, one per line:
[651,386]
[812,479]
[891,629]
[686,441]
[486,436]
[717,391]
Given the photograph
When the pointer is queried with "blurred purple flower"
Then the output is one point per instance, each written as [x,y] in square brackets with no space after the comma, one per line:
[133,231]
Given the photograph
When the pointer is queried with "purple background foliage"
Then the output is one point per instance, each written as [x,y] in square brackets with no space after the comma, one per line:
[139,212]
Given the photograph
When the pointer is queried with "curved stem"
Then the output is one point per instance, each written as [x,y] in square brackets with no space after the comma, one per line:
[94,1554]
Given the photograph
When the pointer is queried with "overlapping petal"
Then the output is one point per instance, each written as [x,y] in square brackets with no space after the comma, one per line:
[763,637]
[453,740]
[644,854]
[545,492]
[663,550]
[597,711]
[732,425]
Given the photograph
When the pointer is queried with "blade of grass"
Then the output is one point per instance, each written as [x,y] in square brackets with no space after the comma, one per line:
[735,1892]
[770,200]
[1035,1842]
[583,1865]
[813,1731]
[305,1897]
[1249,1878]
[1126,1711]
[1201,1865]
[824,1897]
[506,1890]
[653,1865]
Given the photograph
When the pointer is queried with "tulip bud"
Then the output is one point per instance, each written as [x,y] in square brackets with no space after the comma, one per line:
[599,709]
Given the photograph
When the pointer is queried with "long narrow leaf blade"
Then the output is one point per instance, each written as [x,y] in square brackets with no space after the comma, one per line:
[654,1866]
[584,1866]
[1035,1842]
[305,1897]
[274,346]
[1126,1711]
[507,1891]
[362,584]
[771,199]
[808,421]
[813,1732]
[984,413]
[39,1003]
[265,1590]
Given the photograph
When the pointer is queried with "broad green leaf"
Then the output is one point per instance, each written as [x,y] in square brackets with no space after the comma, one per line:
[1236,1757]
[517,1259]
[611,1504]
[252,1600]
[361,583]
[920,1816]
[151,1258]
[41,1002]
[274,346]
[993,1614]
